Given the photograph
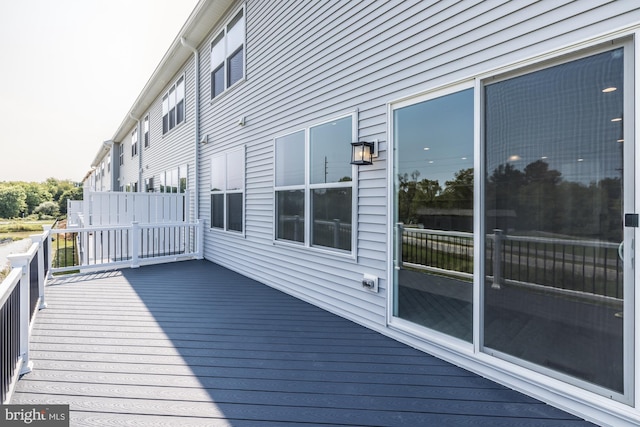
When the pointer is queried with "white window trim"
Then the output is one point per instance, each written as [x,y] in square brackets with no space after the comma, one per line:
[174,88]
[308,187]
[224,192]
[223,31]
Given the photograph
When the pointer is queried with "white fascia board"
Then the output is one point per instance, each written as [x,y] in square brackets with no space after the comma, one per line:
[105,147]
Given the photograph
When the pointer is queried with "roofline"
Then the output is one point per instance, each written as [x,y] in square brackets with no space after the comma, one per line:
[105,147]
[202,20]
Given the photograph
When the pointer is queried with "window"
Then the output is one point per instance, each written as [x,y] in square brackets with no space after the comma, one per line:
[173,112]
[227,55]
[174,180]
[109,163]
[134,143]
[314,200]
[121,154]
[227,190]
[145,136]
[148,185]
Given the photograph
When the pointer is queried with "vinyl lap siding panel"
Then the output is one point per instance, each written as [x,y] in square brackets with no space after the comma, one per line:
[311,61]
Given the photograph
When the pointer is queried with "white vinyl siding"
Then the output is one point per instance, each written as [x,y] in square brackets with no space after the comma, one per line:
[362,55]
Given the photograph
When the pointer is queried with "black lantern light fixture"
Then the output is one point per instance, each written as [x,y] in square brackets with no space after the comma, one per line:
[362,153]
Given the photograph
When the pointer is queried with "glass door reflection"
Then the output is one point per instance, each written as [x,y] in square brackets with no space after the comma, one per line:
[433,280]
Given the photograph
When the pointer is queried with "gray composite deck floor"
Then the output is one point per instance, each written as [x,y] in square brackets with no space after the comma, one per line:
[194,344]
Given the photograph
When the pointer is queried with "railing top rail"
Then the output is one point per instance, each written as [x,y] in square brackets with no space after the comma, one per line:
[588,243]
[531,239]
[28,254]
[8,284]
[439,232]
[121,227]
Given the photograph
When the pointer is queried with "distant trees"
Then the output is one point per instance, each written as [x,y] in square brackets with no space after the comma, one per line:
[533,199]
[18,198]
[13,201]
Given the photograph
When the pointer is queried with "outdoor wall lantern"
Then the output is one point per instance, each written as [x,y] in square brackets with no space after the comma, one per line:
[362,153]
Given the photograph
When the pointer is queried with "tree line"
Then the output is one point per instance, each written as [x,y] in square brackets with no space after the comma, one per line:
[535,199]
[42,199]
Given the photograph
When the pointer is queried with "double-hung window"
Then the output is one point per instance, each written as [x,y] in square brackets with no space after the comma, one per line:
[227,55]
[134,142]
[314,186]
[145,135]
[173,106]
[227,190]
[121,154]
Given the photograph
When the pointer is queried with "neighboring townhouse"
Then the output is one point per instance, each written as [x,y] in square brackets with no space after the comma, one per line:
[157,139]
[103,171]
[489,214]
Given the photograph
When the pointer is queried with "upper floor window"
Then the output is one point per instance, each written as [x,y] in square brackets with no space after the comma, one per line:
[173,106]
[134,143]
[227,55]
[314,187]
[121,154]
[145,135]
[109,163]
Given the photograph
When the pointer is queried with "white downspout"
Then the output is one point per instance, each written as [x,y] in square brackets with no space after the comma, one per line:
[139,151]
[196,58]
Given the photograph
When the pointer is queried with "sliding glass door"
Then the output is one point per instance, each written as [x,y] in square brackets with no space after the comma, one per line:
[556,190]
[552,218]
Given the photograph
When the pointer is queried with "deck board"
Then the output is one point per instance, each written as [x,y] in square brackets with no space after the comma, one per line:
[192,343]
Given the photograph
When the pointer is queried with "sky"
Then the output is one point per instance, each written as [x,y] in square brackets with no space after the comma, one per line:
[69,73]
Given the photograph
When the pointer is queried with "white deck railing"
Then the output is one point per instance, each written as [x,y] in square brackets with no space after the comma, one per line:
[21,295]
[109,247]
[22,292]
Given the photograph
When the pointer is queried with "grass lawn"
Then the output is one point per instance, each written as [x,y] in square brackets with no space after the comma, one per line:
[21,229]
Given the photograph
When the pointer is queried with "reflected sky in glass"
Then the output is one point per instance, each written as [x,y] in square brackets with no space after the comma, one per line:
[290,159]
[435,137]
[235,169]
[330,145]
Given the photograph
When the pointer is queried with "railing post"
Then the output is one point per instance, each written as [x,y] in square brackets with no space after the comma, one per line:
[135,244]
[498,239]
[336,232]
[22,261]
[200,239]
[41,241]
[399,242]
[49,256]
